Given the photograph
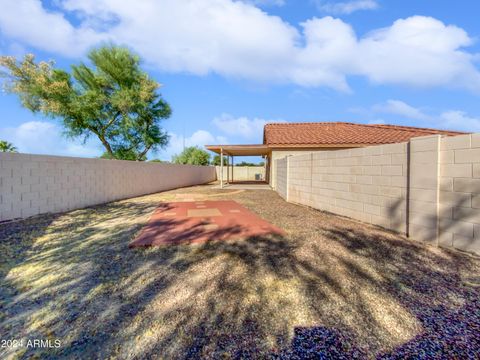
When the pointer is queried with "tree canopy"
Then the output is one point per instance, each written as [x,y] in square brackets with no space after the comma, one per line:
[123,154]
[192,155]
[113,99]
[245,163]
[6,146]
[216,160]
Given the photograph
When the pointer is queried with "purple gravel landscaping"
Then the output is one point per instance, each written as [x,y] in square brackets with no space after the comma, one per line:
[330,288]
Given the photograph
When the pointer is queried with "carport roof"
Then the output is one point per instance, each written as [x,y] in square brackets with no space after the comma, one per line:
[240,150]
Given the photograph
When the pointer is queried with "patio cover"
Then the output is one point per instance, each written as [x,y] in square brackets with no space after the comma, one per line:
[240,150]
[236,150]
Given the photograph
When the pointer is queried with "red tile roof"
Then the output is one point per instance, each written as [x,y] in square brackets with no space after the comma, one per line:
[341,134]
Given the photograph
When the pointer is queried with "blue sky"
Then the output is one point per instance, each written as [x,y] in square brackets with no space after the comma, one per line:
[228,67]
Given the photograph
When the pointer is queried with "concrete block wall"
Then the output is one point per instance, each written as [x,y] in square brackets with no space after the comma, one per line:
[367,184]
[35,184]
[424,188]
[300,179]
[242,173]
[459,192]
[278,154]
[428,188]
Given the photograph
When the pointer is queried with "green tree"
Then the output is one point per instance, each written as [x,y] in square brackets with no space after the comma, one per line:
[216,160]
[6,146]
[113,99]
[245,163]
[123,154]
[192,155]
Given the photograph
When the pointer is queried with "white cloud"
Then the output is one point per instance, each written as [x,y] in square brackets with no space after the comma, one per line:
[28,21]
[398,107]
[43,137]
[450,120]
[266,2]
[418,51]
[242,126]
[198,138]
[377,122]
[346,7]
[237,39]
[459,120]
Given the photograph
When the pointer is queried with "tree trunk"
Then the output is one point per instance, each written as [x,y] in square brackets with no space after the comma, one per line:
[106,145]
[143,153]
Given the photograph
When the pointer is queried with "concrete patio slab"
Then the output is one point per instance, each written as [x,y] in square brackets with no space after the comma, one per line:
[184,223]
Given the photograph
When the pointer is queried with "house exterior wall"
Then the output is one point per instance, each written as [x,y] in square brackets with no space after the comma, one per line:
[428,188]
[34,184]
[282,176]
[241,173]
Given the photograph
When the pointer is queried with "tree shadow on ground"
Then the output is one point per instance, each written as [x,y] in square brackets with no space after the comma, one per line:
[428,284]
[82,284]
[16,245]
[268,296]
[43,267]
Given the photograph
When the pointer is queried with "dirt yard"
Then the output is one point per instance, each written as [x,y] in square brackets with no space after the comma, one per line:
[331,287]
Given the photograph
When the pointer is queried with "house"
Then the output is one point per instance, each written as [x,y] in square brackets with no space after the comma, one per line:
[285,139]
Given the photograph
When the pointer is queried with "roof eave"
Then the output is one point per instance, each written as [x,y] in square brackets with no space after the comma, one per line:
[314,146]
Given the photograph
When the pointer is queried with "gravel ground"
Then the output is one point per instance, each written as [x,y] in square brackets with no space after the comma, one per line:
[331,288]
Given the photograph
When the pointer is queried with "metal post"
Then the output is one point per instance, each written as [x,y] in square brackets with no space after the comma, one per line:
[221,168]
[228,170]
[265,167]
[233,169]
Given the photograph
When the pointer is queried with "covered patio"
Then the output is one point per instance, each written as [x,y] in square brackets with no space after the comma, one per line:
[232,151]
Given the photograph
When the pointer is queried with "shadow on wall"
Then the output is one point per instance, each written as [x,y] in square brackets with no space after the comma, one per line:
[397,215]
[458,223]
[344,291]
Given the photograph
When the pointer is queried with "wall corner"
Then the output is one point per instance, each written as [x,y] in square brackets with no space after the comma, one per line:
[424,189]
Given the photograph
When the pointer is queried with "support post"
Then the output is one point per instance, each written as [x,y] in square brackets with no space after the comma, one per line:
[267,169]
[233,169]
[424,189]
[221,168]
[228,170]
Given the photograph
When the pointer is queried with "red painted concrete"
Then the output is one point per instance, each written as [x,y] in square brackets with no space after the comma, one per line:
[211,220]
